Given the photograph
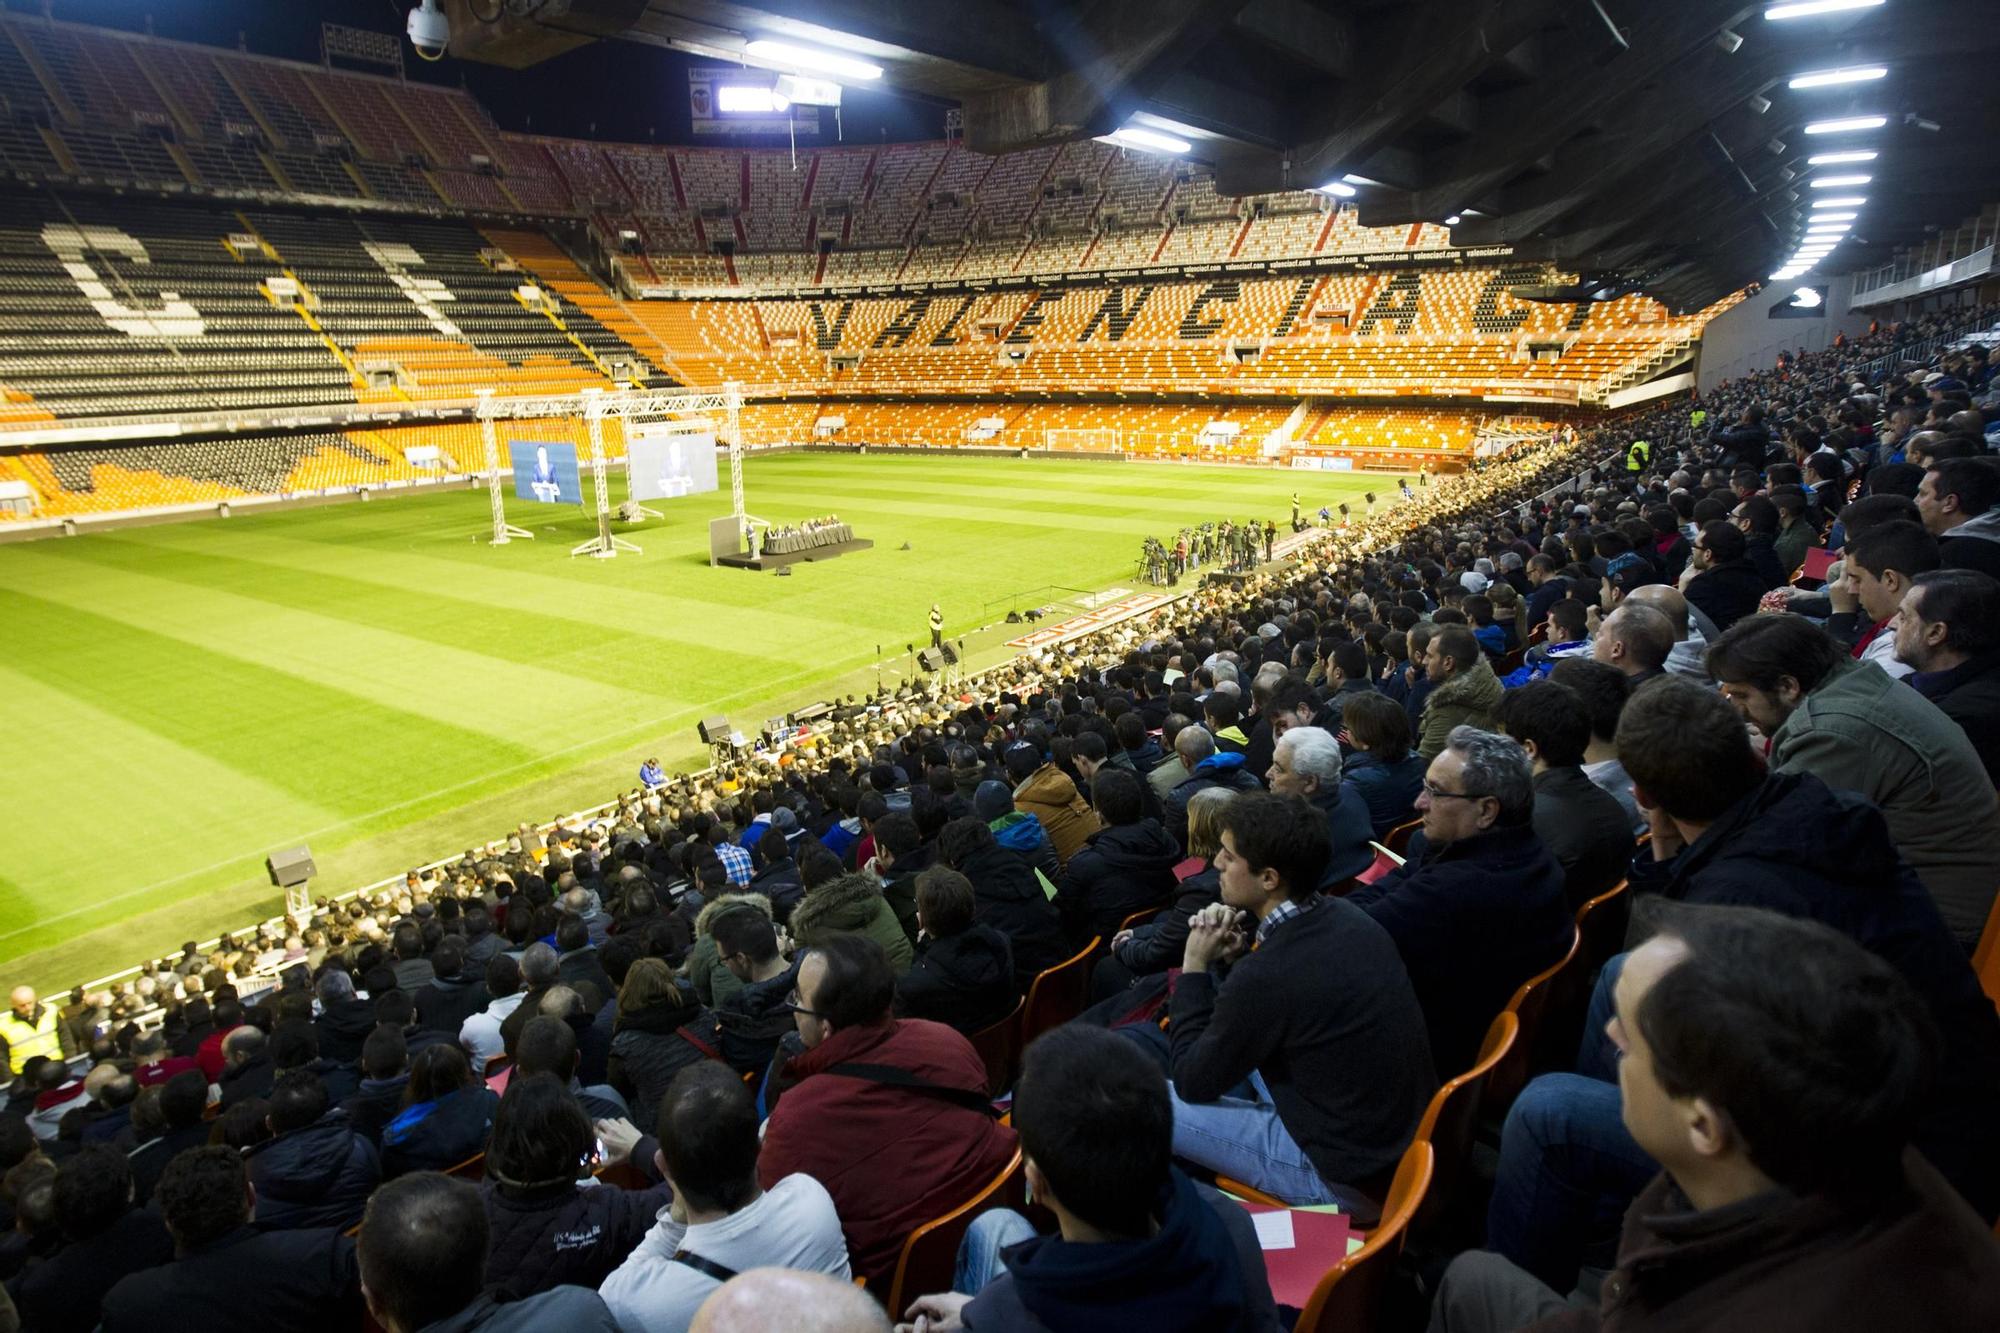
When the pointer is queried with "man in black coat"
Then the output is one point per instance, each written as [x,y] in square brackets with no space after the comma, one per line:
[777,877]
[578,966]
[1126,866]
[1481,908]
[304,1279]
[109,1239]
[1726,586]
[1009,897]
[1949,630]
[1747,441]
[1581,824]
[456,993]
[964,972]
[344,1022]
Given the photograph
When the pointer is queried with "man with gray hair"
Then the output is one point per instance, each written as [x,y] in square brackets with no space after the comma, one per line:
[1306,764]
[541,969]
[1478,908]
[1206,767]
[345,1019]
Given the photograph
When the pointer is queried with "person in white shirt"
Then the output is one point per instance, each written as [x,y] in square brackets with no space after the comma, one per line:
[720,1223]
[479,1035]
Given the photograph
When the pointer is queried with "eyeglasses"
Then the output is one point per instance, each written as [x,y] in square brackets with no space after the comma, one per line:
[792,1003]
[1437,793]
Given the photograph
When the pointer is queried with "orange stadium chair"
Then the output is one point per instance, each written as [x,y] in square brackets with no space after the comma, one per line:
[999,1045]
[931,1253]
[1058,994]
[1399,836]
[1451,1121]
[1602,922]
[1986,958]
[1530,1006]
[1349,1298]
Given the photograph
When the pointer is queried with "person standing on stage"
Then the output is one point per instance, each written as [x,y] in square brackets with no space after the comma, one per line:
[1271,529]
[937,626]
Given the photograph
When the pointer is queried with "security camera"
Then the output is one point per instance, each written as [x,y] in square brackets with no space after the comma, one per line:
[430,30]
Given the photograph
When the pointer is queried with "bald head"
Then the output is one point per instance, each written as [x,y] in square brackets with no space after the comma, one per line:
[23,1000]
[800,1302]
[1667,600]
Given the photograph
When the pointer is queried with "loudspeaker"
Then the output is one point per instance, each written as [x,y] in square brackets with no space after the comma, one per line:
[784,571]
[928,660]
[1013,617]
[714,730]
[291,867]
[950,655]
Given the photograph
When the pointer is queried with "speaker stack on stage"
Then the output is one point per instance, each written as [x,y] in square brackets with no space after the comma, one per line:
[714,731]
[292,870]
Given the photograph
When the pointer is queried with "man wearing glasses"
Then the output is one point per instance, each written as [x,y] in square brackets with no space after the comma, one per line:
[1719,579]
[1479,907]
[891,1115]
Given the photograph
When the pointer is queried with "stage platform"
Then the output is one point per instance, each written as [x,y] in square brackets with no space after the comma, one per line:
[774,559]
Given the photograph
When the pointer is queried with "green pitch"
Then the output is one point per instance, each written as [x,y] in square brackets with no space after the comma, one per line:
[375,680]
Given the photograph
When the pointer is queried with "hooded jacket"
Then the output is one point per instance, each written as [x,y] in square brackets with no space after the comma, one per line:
[1008,897]
[851,905]
[1389,789]
[892,1158]
[779,882]
[445,1004]
[543,1238]
[1472,919]
[343,1027]
[1469,699]
[1162,942]
[1794,846]
[1123,869]
[319,1176]
[1202,1271]
[650,1047]
[755,1019]
[713,982]
[1218,770]
[965,981]
[1859,730]
[1727,592]
[1019,831]
[1051,797]
[437,1135]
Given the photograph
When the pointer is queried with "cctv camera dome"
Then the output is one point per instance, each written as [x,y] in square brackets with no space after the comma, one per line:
[430,30]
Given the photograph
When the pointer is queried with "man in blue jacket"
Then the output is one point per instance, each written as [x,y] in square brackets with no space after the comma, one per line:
[1140,1245]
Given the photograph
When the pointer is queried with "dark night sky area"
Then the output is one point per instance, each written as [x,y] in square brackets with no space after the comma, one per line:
[607,90]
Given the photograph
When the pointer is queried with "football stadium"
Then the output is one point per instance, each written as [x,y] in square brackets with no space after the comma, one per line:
[1297,665]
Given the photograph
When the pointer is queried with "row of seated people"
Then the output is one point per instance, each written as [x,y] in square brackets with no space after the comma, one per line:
[1303,1068]
[126,108]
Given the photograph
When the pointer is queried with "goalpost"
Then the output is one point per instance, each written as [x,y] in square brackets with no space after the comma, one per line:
[1076,439]
[594,407]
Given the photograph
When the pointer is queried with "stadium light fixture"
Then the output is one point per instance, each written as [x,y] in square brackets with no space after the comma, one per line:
[1847,125]
[1338,189]
[1805,9]
[1835,159]
[747,99]
[1841,201]
[1828,78]
[1827,228]
[1835,217]
[1835,182]
[1452,221]
[1137,136]
[803,57]
[1807,298]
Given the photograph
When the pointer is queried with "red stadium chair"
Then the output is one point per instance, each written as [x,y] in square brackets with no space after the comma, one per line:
[1986,957]
[999,1046]
[1057,995]
[1451,1121]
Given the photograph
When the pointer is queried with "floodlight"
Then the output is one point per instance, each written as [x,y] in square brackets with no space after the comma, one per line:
[1834,159]
[829,62]
[1847,124]
[1827,78]
[1337,190]
[1841,201]
[1835,182]
[1137,136]
[1803,9]
[745,98]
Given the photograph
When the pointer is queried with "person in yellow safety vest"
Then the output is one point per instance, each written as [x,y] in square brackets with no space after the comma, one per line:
[29,1029]
[1698,418]
[1637,455]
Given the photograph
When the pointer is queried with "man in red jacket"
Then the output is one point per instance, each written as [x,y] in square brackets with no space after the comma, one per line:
[889,1115]
[1773,1067]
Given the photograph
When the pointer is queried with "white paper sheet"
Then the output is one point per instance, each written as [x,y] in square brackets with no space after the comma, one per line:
[1274,1230]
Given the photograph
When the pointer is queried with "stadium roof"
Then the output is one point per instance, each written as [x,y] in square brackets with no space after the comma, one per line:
[1660,143]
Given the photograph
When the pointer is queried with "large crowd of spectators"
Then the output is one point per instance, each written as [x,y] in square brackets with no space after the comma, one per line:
[711,1049]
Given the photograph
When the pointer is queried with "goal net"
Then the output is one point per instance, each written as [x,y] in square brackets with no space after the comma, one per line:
[1078,440]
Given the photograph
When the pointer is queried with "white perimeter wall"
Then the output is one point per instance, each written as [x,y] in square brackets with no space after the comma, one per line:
[1745,339]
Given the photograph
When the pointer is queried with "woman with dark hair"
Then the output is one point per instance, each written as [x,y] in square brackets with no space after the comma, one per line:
[547,1229]
[660,1030]
[446,1115]
[1382,765]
